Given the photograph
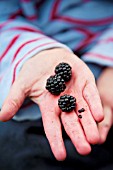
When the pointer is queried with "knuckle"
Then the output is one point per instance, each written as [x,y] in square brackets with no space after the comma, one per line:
[77,133]
[23,87]
[14,103]
[86,93]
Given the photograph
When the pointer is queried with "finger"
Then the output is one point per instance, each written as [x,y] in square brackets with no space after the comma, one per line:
[52,127]
[87,121]
[13,102]
[74,130]
[106,124]
[91,95]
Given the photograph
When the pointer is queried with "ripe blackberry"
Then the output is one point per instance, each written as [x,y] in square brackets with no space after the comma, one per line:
[67,103]
[64,70]
[55,84]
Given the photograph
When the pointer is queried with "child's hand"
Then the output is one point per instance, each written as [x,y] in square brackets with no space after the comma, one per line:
[105,87]
[31,82]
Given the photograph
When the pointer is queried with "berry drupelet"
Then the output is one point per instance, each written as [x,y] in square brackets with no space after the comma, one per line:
[55,84]
[64,70]
[67,103]
[81,110]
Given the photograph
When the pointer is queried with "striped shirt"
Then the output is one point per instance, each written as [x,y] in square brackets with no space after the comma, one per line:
[30,26]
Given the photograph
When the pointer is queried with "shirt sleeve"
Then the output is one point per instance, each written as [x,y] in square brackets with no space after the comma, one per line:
[19,41]
[102,52]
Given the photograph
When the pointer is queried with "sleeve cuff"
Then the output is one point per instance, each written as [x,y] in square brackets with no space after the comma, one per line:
[33,50]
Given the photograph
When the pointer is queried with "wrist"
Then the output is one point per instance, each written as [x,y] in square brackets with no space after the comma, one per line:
[59,54]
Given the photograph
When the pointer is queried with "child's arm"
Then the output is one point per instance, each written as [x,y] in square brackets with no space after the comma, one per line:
[105,87]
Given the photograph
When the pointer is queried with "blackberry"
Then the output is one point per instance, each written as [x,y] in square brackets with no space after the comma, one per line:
[67,103]
[64,70]
[55,84]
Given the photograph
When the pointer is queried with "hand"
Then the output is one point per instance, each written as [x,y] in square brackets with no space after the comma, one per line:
[105,87]
[31,82]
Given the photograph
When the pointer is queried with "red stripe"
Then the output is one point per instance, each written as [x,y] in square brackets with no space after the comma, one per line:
[24,29]
[106,41]
[23,45]
[96,22]
[86,41]
[85,22]
[89,37]
[54,9]
[9,46]
[5,23]
[14,73]
[14,15]
[91,54]
[33,17]
[84,31]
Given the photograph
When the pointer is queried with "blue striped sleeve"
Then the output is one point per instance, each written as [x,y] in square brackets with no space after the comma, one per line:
[19,41]
[102,52]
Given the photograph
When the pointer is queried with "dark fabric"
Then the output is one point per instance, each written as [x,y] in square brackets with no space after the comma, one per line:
[23,146]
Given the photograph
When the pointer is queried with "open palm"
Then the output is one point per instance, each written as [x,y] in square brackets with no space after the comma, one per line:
[31,82]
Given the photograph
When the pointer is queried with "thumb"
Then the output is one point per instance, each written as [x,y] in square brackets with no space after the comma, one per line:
[13,102]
